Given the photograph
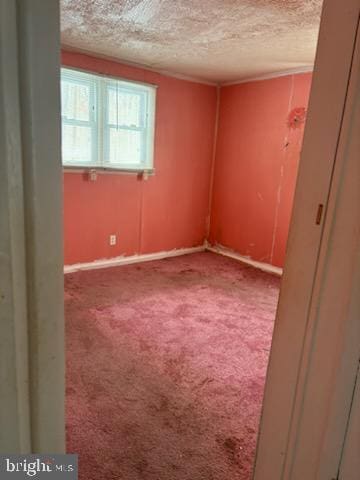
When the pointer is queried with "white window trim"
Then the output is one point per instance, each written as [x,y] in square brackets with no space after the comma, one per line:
[100,161]
[92,122]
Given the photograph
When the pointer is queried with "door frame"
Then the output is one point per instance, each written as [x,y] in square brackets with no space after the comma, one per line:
[315,350]
[350,460]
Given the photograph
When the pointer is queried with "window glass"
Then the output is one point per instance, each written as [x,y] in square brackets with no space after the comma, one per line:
[105,122]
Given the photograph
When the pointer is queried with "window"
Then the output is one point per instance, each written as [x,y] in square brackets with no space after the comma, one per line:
[106,123]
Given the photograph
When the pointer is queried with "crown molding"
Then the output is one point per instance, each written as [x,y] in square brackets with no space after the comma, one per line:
[165,73]
[268,76]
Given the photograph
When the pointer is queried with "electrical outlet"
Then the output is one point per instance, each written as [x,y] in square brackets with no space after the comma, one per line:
[112,239]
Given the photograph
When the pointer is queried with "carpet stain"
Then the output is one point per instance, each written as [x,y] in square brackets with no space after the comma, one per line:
[166,365]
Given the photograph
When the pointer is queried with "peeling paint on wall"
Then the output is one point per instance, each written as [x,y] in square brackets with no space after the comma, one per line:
[297,117]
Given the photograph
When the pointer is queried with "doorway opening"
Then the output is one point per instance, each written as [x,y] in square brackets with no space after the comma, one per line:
[167,350]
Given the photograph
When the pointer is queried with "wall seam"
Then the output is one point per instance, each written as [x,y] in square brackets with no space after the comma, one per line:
[141,214]
[213,161]
[279,190]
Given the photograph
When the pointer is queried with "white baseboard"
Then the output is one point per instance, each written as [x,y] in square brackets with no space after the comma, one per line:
[116,261]
[266,267]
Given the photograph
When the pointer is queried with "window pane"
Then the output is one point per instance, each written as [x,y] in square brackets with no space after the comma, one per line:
[125,147]
[124,108]
[106,122]
[75,100]
[76,144]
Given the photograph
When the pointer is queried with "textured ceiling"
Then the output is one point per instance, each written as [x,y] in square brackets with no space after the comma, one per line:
[214,40]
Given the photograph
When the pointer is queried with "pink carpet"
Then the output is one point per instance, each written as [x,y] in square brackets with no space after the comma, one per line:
[166,365]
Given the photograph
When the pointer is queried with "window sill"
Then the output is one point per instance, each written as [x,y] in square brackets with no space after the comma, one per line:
[108,170]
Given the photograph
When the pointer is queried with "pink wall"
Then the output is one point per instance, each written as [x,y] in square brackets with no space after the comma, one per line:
[258,147]
[259,139]
[167,211]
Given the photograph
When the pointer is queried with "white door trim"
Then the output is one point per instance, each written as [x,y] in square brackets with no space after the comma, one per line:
[315,334]
[31,251]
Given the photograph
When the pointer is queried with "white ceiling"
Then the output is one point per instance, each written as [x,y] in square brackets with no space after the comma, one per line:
[214,40]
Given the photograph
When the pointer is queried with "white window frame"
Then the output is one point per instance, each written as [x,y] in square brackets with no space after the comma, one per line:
[100,131]
[79,77]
